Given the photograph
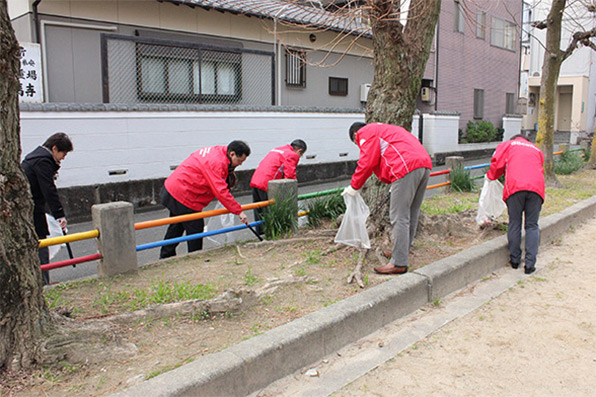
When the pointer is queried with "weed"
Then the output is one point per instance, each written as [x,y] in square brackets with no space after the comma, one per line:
[326,207]
[313,257]
[280,219]
[300,272]
[461,180]
[437,302]
[250,279]
[567,163]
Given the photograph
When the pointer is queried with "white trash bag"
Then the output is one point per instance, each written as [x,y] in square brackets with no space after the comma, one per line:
[490,204]
[220,222]
[55,231]
[352,230]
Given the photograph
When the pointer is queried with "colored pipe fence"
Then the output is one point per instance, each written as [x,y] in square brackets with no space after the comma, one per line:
[70,262]
[194,236]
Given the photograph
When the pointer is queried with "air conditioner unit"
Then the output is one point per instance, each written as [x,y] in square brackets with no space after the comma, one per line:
[364,88]
[425,94]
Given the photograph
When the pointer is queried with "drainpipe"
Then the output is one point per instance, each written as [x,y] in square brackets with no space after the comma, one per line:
[276,51]
[436,82]
[36,21]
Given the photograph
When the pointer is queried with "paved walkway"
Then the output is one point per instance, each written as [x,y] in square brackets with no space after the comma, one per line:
[509,335]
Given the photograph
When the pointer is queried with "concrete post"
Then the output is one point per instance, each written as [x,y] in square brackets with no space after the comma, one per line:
[284,189]
[117,242]
[452,162]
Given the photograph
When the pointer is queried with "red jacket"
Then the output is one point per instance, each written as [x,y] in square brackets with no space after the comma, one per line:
[389,151]
[201,178]
[279,163]
[522,162]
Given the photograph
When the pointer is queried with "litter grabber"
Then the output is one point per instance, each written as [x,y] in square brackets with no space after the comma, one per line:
[254,232]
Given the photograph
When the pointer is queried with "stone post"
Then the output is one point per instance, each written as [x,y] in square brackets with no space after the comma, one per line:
[284,189]
[117,241]
[452,162]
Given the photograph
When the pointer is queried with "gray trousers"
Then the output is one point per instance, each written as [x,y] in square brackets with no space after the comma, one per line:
[407,194]
[528,204]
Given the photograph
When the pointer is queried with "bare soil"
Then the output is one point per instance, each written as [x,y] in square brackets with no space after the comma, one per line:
[285,280]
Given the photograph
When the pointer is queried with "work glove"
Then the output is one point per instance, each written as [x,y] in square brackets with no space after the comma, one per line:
[349,191]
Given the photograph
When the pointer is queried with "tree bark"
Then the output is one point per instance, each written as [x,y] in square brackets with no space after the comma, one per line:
[22,306]
[400,56]
[553,58]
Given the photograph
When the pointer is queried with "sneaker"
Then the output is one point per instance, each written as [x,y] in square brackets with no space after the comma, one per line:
[529,270]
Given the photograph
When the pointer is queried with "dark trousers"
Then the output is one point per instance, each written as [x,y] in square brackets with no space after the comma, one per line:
[177,229]
[44,259]
[529,205]
[259,195]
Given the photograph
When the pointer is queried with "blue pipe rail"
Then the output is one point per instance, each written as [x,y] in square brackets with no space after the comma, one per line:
[475,167]
[194,236]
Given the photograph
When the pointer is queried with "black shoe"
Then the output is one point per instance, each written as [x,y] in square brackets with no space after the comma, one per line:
[514,264]
[529,270]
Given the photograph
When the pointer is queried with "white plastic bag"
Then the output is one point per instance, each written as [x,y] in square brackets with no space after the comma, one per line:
[490,204]
[352,230]
[55,231]
[220,222]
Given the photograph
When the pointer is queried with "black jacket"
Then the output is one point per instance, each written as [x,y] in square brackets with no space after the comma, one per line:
[41,168]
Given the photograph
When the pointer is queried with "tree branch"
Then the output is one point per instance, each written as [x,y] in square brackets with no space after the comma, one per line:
[580,38]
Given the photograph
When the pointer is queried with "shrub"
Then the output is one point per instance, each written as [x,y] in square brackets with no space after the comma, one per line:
[326,207]
[280,219]
[461,180]
[567,163]
[482,131]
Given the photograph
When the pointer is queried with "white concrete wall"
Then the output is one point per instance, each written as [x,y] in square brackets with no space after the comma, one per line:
[440,133]
[511,126]
[147,144]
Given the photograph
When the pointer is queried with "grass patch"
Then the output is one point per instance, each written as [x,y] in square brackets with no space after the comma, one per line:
[326,207]
[280,219]
[568,162]
[461,181]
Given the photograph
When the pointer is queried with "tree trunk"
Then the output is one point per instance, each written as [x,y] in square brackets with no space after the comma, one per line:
[22,306]
[553,58]
[400,56]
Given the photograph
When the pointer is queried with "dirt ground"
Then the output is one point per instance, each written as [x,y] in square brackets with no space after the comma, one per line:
[289,279]
[536,339]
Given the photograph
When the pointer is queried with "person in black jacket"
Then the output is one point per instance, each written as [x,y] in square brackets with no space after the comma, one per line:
[41,167]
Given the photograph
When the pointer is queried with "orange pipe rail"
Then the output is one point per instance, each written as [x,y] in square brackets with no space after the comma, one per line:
[197,215]
[438,185]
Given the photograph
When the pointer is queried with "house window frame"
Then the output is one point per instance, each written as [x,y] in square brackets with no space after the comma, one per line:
[295,68]
[459,18]
[478,103]
[481,25]
[509,103]
[503,34]
[194,56]
[336,90]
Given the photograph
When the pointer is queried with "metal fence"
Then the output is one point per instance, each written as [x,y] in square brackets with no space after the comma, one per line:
[141,70]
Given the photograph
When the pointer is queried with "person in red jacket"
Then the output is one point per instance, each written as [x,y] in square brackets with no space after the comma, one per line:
[523,165]
[279,163]
[206,174]
[397,158]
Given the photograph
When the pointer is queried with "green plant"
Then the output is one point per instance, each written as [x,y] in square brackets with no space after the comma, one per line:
[326,207]
[313,257]
[568,162]
[481,131]
[249,278]
[280,219]
[300,272]
[461,180]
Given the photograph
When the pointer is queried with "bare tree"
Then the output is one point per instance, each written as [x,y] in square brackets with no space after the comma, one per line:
[553,58]
[25,316]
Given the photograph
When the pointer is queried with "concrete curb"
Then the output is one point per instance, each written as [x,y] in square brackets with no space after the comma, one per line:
[257,362]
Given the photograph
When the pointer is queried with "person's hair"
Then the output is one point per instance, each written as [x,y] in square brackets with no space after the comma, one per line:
[298,144]
[354,129]
[519,136]
[239,147]
[61,141]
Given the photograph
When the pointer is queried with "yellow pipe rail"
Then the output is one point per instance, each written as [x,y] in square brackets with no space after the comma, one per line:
[46,242]
[197,215]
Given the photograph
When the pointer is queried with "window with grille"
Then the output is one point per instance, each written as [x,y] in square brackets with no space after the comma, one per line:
[338,86]
[502,34]
[481,25]
[509,103]
[171,74]
[478,104]
[295,69]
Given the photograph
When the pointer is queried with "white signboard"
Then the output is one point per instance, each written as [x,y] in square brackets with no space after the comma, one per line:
[31,84]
